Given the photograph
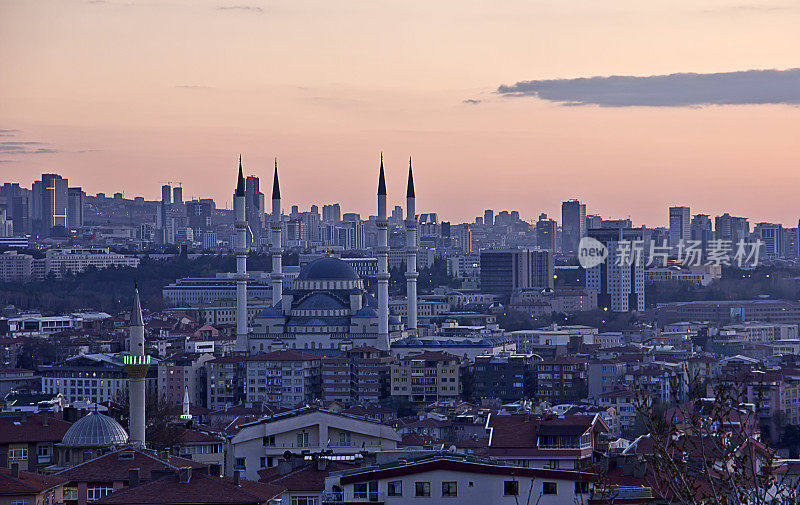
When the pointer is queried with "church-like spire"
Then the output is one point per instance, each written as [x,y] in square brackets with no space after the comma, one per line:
[276,188]
[240,182]
[136,312]
[410,192]
[382,181]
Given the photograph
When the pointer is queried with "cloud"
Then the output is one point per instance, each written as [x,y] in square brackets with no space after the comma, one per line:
[192,86]
[9,133]
[252,8]
[673,90]
[471,101]
[25,148]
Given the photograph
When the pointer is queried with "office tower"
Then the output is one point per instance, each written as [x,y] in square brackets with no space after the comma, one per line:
[166,194]
[701,231]
[198,215]
[464,237]
[619,280]
[679,229]
[573,225]
[397,215]
[18,205]
[411,251]
[735,229]
[53,191]
[505,270]
[177,195]
[241,262]
[594,221]
[383,264]
[75,207]
[136,365]
[276,248]
[488,217]
[771,235]
[546,233]
[445,229]
[254,207]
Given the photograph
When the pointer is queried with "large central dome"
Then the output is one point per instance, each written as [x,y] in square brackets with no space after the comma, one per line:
[95,430]
[328,269]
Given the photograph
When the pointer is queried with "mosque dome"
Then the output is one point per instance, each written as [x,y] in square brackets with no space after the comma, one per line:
[328,269]
[95,430]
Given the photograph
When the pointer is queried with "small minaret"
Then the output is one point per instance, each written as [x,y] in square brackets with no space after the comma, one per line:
[186,415]
[136,364]
[241,263]
[411,251]
[383,265]
[276,250]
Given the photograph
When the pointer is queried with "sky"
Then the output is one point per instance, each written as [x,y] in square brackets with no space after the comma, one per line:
[629,106]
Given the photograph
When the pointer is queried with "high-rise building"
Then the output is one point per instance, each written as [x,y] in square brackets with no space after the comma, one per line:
[53,203]
[771,235]
[727,227]
[488,217]
[619,280]
[573,225]
[546,233]
[679,229]
[505,270]
[166,194]
[177,195]
[254,207]
[198,215]
[75,198]
[594,221]
[700,231]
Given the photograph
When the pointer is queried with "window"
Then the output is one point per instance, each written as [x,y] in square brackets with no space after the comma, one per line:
[549,488]
[19,501]
[450,488]
[511,488]
[302,439]
[70,493]
[43,453]
[581,487]
[94,493]
[422,488]
[552,463]
[269,441]
[18,454]
[367,490]
[239,464]
[304,500]
[344,438]
[395,488]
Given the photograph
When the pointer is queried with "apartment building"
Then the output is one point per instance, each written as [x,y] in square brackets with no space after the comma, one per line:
[427,377]
[284,378]
[359,375]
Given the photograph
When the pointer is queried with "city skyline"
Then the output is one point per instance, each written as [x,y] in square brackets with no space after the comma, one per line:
[423,81]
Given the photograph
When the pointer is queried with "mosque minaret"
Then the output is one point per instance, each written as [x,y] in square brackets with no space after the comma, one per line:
[411,252]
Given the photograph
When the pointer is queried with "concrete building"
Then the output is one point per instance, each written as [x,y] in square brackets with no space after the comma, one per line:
[619,280]
[261,444]
[283,378]
[16,267]
[507,377]
[573,225]
[76,260]
[359,375]
[679,226]
[546,233]
[183,373]
[505,270]
[427,377]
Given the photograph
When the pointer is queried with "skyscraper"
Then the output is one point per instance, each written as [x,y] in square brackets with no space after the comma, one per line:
[573,225]
[679,228]
[177,195]
[75,207]
[505,270]
[54,201]
[546,233]
[488,217]
[166,194]
[619,280]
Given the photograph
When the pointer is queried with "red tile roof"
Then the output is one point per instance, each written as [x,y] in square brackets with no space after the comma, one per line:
[304,478]
[27,483]
[13,429]
[200,489]
[110,468]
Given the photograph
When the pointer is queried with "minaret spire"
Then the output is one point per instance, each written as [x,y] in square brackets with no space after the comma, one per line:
[411,251]
[240,247]
[186,415]
[136,365]
[276,248]
[382,341]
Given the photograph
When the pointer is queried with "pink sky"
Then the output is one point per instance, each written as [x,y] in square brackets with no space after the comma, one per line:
[132,94]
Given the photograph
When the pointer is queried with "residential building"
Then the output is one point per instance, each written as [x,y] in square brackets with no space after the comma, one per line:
[505,270]
[26,488]
[226,381]
[16,267]
[359,375]
[29,440]
[679,226]
[427,377]
[561,380]
[184,372]
[262,444]
[573,225]
[60,261]
[508,377]
[619,280]
[285,378]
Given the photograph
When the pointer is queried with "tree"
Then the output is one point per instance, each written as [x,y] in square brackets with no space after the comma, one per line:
[163,430]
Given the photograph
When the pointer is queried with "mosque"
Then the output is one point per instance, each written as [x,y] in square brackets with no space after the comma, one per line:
[327,306]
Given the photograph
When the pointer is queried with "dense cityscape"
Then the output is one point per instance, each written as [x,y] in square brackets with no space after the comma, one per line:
[314,358]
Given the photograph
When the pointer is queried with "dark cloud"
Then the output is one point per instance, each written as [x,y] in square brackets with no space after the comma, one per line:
[673,90]
[9,133]
[252,8]
[471,101]
[22,147]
